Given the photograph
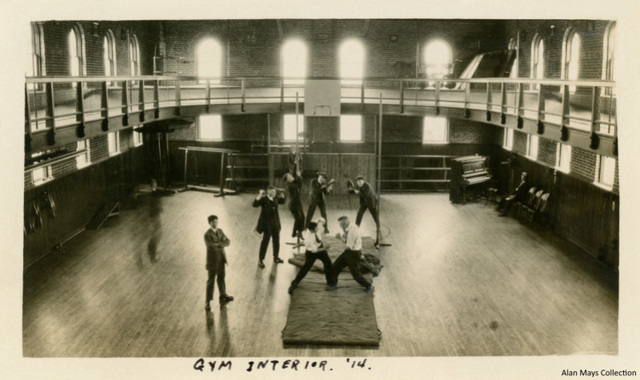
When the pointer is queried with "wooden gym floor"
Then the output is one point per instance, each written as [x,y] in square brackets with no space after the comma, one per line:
[457,281]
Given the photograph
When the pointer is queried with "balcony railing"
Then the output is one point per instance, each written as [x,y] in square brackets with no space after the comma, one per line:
[52,103]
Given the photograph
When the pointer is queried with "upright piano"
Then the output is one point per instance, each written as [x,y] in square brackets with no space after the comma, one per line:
[469,177]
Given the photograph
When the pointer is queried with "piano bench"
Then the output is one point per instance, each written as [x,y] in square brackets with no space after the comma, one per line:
[492,193]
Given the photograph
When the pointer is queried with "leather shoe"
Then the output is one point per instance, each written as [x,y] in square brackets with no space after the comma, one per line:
[370,289]
[291,288]
[226,298]
[207,307]
[261,264]
[278,260]
[331,288]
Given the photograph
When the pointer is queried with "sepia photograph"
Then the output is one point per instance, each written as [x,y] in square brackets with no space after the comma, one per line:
[289,189]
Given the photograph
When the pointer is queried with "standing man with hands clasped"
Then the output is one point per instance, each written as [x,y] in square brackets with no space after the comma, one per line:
[216,240]
[269,222]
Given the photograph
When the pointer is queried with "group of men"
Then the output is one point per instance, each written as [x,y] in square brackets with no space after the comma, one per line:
[310,232]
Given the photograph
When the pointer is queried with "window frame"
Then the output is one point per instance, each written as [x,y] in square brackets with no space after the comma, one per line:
[300,65]
[113,141]
[348,46]
[218,125]
[571,49]
[343,124]
[138,138]
[37,67]
[537,59]
[533,148]
[507,141]
[600,172]
[83,160]
[563,163]
[47,175]
[109,57]
[445,68]
[426,123]
[292,118]
[216,62]
[80,57]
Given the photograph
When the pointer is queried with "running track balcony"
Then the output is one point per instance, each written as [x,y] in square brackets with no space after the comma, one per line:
[61,110]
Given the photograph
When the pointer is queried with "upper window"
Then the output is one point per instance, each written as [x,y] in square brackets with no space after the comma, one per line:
[605,171]
[114,143]
[351,128]
[294,61]
[289,127]
[75,41]
[109,54]
[35,62]
[437,59]
[134,56]
[563,157]
[351,58]
[609,49]
[83,159]
[210,127]
[532,146]
[507,143]
[571,57]
[209,60]
[435,130]
[537,59]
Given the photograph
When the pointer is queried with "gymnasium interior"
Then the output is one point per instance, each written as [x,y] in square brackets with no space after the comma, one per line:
[135,131]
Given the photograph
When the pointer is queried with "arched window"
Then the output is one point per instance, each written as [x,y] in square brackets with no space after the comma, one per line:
[35,62]
[608,54]
[351,61]
[437,59]
[294,61]
[537,59]
[75,41]
[134,56]
[109,54]
[571,57]
[209,60]
[513,45]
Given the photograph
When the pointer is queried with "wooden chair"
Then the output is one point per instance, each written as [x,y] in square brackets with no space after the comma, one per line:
[518,206]
[528,210]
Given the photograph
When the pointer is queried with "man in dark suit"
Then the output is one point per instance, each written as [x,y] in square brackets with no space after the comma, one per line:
[319,188]
[519,195]
[368,201]
[269,222]
[216,240]
[295,204]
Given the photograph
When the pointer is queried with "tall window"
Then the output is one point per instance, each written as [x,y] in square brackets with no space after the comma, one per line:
[35,62]
[114,143]
[294,61]
[571,57]
[83,159]
[532,146]
[210,127]
[351,128]
[507,143]
[109,54]
[289,127]
[513,45]
[209,60]
[138,138]
[437,59]
[537,59]
[76,51]
[609,49]
[435,130]
[563,157]
[134,57]
[351,61]
[605,171]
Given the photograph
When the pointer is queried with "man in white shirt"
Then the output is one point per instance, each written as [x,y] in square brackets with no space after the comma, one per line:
[351,256]
[315,249]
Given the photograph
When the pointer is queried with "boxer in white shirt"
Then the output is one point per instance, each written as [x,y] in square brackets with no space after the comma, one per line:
[351,256]
[315,249]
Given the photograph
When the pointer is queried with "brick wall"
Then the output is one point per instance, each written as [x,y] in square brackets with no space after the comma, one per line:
[591,34]
[547,150]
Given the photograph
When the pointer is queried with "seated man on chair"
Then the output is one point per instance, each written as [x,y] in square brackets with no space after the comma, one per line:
[519,195]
